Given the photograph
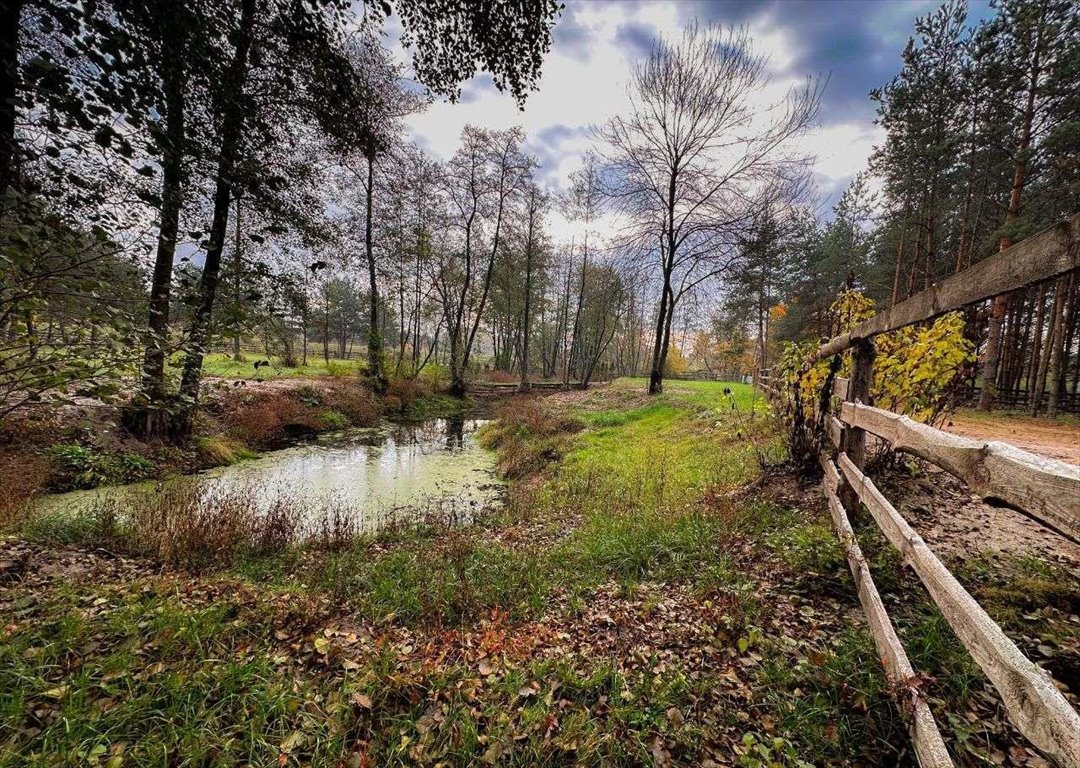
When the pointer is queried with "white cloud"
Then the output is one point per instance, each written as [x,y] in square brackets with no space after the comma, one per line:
[576,93]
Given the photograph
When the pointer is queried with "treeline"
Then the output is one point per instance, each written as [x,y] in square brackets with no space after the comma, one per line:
[190,144]
[463,267]
[186,177]
[248,163]
[981,149]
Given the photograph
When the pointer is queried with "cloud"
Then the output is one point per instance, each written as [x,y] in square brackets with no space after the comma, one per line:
[636,38]
[855,43]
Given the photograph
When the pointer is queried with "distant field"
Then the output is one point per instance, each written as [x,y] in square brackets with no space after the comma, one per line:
[223,365]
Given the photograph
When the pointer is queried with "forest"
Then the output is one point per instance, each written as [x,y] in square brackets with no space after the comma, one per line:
[330,438]
[141,234]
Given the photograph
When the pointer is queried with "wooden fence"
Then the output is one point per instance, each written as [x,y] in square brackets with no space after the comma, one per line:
[1045,489]
[1020,399]
[478,386]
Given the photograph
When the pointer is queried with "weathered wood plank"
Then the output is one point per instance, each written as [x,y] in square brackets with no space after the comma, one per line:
[1035,706]
[1040,257]
[929,747]
[836,431]
[1046,489]
[840,387]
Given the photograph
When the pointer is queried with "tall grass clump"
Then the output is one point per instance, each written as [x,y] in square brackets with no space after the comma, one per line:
[198,529]
[528,436]
[442,582]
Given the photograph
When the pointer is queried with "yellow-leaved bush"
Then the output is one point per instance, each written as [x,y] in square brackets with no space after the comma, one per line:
[914,367]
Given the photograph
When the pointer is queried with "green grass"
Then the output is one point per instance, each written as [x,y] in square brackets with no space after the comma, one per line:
[138,680]
[806,697]
[636,477]
[222,365]
[623,501]
[691,437]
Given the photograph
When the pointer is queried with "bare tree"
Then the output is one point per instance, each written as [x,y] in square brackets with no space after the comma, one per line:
[365,143]
[583,202]
[480,180]
[535,206]
[699,139]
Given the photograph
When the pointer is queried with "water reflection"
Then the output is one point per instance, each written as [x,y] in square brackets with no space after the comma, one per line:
[369,471]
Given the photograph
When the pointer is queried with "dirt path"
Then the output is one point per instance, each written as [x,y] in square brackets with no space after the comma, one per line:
[1056,439]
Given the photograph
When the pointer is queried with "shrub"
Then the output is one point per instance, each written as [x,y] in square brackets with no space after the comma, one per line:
[914,368]
[333,420]
[219,450]
[434,376]
[77,466]
[352,402]
[341,369]
[270,420]
[407,391]
[180,525]
[309,396]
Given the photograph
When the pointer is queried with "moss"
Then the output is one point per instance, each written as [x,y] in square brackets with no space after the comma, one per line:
[219,450]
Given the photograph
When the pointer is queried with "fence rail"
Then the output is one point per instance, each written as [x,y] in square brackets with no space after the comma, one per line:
[929,746]
[1045,489]
[1047,255]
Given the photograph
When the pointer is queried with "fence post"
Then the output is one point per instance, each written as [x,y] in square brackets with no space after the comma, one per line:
[853,439]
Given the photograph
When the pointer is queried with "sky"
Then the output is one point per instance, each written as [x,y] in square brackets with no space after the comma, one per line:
[856,44]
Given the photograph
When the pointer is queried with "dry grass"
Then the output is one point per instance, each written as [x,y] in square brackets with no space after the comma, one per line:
[529,435]
[21,476]
[403,394]
[348,399]
[500,377]
[268,420]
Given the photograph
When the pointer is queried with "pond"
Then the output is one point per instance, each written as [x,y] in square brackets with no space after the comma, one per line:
[372,473]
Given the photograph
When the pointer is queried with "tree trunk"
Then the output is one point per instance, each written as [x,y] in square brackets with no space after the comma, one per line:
[326,324]
[10,17]
[375,368]
[656,372]
[896,272]
[1057,340]
[992,354]
[1036,393]
[238,264]
[1036,344]
[152,418]
[575,352]
[528,308]
[231,127]
[1072,325]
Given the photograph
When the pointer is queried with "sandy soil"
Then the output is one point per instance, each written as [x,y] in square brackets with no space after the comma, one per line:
[952,521]
[1057,440]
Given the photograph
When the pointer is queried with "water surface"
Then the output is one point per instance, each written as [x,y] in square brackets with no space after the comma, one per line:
[370,472]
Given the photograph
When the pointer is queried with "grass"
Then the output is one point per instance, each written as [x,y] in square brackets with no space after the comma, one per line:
[632,604]
[223,366]
[164,684]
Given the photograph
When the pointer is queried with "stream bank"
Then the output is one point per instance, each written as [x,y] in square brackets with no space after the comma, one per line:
[83,444]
